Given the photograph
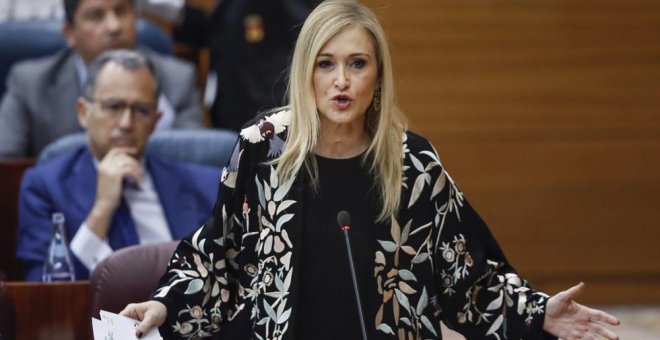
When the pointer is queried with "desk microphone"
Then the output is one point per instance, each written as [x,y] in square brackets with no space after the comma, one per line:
[344,220]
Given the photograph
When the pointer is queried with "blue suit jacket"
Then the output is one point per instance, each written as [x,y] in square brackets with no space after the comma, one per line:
[68,185]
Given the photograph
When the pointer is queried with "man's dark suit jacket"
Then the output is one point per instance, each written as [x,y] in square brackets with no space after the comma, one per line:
[40,103]
[68,185]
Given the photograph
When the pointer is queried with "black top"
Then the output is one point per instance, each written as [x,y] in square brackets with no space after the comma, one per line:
[327,308]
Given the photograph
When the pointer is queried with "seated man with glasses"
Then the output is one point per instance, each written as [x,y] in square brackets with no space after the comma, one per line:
[111,194]
[39,105]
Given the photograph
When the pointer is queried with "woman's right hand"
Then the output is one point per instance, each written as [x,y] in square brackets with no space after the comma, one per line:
[151,314]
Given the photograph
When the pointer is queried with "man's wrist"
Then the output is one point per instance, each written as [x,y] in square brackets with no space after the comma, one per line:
[98,220]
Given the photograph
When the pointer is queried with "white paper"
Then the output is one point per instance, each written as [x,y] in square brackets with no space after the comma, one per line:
[115,327]
[101,330]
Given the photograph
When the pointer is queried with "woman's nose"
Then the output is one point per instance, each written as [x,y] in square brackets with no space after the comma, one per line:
[342,82]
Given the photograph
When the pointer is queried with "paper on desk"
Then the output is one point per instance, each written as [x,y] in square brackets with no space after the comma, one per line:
[101,330]
[117,327]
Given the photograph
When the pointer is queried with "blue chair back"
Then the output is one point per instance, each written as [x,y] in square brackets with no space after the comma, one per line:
[29,39]
[150,35]
[211,147]
[205,146]
[21,40]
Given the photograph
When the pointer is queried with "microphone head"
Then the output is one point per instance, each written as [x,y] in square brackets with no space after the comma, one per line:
[344,218]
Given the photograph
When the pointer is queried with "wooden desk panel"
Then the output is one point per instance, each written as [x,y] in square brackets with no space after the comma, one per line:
[11,173]
[51,311]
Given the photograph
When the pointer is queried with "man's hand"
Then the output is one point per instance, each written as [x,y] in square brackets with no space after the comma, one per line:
[119,164]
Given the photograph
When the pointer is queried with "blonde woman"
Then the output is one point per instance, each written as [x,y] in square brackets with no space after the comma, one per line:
[272,263]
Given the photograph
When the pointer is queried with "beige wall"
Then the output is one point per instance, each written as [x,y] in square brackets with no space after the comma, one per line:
[547,114]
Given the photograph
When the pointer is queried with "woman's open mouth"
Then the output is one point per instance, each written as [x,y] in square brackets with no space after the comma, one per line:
[342,102]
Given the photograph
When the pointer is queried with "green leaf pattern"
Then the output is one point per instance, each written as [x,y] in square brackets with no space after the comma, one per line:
[272,274]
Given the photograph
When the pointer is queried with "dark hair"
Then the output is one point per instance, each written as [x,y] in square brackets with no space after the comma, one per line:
[128,59]
[70,8]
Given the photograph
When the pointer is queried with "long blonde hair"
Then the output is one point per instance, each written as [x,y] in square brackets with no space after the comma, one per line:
[385,127]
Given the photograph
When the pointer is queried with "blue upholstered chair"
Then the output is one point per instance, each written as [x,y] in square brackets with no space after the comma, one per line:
[150,35]
[207,146]
[21,40]
[61,146]
[27,39]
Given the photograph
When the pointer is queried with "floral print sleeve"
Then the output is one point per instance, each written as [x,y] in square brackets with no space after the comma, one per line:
[479,293]
[203,286]
[199,287]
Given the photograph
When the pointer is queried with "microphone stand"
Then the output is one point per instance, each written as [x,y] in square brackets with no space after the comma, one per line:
[346,228]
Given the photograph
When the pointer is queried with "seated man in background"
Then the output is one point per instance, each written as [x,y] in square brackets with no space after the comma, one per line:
[138,199]
[40,102]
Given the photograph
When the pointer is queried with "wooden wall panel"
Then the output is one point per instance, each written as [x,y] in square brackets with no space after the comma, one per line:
[547,115]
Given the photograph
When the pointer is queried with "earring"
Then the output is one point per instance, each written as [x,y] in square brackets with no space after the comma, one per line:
[377,100]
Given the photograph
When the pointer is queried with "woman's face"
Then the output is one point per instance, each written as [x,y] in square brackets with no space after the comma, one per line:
[345,78]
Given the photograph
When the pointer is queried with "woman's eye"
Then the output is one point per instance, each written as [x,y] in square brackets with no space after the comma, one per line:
[358,63]
[324,64]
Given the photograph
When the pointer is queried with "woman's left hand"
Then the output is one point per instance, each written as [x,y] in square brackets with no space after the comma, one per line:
[570,320]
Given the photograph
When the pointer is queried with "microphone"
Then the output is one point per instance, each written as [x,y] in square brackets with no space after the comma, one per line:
[344,221]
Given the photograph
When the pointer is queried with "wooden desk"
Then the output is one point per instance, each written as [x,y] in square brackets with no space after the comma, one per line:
[51,311]
[11,173]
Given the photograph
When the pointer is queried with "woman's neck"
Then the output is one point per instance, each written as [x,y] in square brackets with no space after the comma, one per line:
[341,143]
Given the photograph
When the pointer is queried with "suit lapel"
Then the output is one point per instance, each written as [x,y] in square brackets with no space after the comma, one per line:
[176,202]
[83,182]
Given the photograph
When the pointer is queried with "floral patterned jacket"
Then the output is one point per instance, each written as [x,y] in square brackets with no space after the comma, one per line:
[436,261]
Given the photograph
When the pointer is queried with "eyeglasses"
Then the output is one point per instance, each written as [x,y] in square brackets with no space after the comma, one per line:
[115,108]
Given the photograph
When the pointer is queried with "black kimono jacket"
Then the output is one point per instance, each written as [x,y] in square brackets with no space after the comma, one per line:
[436,261]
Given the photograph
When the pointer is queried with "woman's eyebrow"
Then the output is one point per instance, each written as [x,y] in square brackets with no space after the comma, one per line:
[356,54]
